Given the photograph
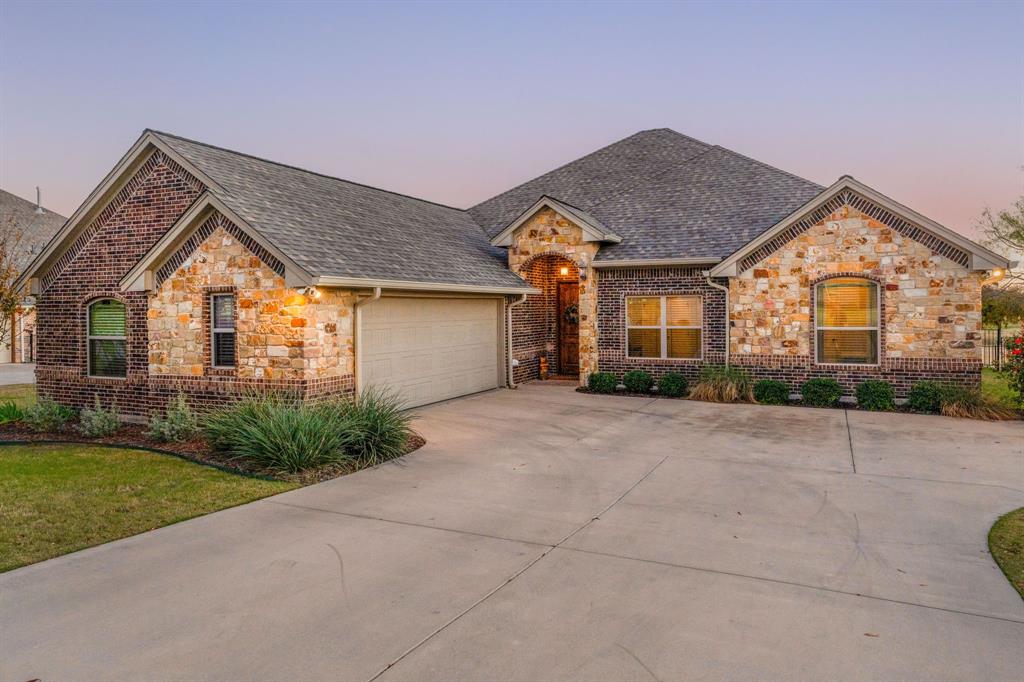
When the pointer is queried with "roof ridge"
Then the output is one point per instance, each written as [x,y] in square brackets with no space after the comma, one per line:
[769,166]
[585,156]
[301,170]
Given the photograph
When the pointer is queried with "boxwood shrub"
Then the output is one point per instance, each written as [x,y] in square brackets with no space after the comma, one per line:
[672,385]
[637,381]
[821,392]
[876,395]
[926,396]
[771,392]
[602,382]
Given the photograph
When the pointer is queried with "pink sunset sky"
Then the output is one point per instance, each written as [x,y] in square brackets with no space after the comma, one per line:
[457,102]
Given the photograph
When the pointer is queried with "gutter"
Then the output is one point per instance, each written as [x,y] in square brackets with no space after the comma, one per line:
[355,282]
[357,337]
[728,329]
[508,333]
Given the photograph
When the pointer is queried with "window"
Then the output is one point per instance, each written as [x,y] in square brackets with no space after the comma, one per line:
[106,335]
[663,326]
[846,319]
[222,309]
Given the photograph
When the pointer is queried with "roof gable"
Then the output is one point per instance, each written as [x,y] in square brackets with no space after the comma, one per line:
[849,191]
[593,230]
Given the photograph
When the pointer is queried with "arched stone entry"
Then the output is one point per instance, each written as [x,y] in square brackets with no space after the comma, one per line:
[547,324]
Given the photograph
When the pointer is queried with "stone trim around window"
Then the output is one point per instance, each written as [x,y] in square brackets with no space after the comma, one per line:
[208,367]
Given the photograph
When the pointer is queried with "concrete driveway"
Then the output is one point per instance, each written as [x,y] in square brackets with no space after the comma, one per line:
[545,534]
[17,373]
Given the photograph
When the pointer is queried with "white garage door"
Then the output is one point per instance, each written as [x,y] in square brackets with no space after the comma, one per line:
[430,349]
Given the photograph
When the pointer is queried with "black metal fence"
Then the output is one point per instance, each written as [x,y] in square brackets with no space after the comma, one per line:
[993,342]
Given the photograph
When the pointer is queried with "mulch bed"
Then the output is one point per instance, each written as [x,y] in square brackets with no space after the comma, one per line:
[196,450]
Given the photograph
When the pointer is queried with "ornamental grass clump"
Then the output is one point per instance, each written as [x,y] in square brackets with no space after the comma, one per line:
[970,403]
[672,385]
[638,381]
[10,412]
[380,429]
[771,392]
[821,392]
[602,382]
[97,421]
[47,415]
[279,433]
[723,384]
[876,395]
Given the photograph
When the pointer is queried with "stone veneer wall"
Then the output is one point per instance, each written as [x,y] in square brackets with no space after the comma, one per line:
[615,284]
[931,306]
[549,233]
[282,335]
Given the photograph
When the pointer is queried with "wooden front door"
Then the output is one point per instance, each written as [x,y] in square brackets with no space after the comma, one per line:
[568,328]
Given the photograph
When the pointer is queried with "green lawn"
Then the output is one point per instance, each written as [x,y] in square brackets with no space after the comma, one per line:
[995,386]
[1006,542]
[56,499]
[22,394]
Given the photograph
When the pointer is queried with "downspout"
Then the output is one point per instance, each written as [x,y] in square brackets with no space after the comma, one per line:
[508,335]
[357,337]
[725,290]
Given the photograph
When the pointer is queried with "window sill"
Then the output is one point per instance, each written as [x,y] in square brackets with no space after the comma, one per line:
[847,365]
[105,380]
[630,358]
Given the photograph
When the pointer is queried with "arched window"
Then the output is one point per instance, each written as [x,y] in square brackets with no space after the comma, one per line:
[107,357]
[846,321]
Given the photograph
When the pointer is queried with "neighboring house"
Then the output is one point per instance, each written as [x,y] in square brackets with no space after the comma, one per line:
[34,226]
[193,268]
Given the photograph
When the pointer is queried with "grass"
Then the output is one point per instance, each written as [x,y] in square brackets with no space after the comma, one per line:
[1006,542]
[23,395]
[57,499]
[995,386]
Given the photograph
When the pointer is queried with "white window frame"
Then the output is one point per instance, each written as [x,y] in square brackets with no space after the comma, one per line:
[90,337]
[877,328]
[664,326]
[214,330]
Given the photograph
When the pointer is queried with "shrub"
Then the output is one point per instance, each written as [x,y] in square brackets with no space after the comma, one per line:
[673,385]
[380,429]
[723,384]
[1014,366]
[10,412]
[279,433]
[97,422]
[821,392]
[602,382]
[771,392]
[926,396]
[637,381]
[178,425]
[958,401]
[876,395]
[47,415]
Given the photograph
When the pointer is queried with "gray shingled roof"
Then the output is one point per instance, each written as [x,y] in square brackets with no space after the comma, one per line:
[666,194]
[336,228]
[37,229]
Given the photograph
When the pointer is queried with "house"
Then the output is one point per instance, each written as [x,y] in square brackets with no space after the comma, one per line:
[25,228]
[193,268]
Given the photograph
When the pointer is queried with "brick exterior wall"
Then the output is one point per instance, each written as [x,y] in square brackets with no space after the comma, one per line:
[614,285]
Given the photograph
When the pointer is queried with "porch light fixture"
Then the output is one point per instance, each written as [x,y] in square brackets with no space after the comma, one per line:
[564,271]
[312,291]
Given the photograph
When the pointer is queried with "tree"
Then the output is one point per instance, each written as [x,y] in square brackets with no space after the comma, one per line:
[1002,306]
[1004,231]
[12,258]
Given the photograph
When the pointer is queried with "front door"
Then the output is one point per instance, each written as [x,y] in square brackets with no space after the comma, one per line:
[568,328]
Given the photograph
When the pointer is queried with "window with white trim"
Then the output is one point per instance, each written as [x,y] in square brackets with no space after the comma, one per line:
[663,327]
[222,330]
[846,321]
[107,340]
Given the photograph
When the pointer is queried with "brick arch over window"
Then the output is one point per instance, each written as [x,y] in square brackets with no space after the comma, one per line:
[880,288]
